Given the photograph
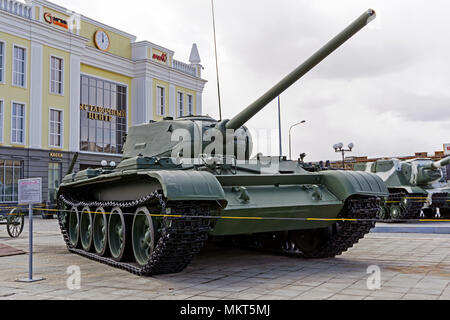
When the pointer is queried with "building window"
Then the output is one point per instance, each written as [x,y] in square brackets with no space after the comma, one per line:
[56,128]
[190,104]
[18,123]
[161,100]
[10,173]
[19,67]
[56,75]
[1,121]
[103,115]
[180,104]
[2,62]
[54,179]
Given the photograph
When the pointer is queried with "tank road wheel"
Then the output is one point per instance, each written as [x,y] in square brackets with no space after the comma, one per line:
[86,223]
[119,232]
[15,223]
[309,240]
[74,227]
[396,212]
[383,214]
[143,236]
[100,236]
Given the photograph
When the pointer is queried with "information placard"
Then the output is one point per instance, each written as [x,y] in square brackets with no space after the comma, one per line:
[30,191]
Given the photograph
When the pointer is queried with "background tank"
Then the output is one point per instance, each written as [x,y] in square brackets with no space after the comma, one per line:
[414,186]
[172,191]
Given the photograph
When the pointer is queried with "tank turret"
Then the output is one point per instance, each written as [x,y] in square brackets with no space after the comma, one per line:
[185,137]
[426,171]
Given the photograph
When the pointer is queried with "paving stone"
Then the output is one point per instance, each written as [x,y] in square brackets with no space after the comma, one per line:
[355,292]
[387,295]
[346,297]
[412,296]
[271,297]
[315,295]
[243,296]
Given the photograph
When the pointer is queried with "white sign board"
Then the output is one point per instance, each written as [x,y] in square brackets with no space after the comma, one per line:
[30,191]
[447,149]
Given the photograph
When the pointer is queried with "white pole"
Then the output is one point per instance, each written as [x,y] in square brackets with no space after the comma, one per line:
[30,257]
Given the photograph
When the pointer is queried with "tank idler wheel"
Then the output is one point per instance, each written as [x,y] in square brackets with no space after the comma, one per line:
[86,223]
[100,235]
[74,228]
[119,235]
[396,212]
[143,236]
[63,215]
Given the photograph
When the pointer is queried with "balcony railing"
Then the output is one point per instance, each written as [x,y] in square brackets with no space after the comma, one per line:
[185,68]
[16,7]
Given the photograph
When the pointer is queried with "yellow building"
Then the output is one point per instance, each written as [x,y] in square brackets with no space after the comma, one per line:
[72,84]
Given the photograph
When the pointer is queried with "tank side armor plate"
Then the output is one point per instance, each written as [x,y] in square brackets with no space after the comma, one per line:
[189,185]
[347,183]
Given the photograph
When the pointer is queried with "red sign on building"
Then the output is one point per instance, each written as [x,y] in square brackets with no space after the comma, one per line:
[50,19]
[162,57]
[447,149]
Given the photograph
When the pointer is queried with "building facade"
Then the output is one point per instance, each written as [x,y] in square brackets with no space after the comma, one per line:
[71,84]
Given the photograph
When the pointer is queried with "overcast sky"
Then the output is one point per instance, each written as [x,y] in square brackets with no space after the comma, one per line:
[387,90]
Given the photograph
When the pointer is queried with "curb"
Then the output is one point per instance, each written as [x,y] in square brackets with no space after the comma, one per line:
[428,228]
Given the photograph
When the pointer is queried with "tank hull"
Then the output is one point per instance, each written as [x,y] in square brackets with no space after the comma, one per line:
[243,203]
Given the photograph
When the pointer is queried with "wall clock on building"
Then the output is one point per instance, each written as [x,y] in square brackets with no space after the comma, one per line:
[102,40]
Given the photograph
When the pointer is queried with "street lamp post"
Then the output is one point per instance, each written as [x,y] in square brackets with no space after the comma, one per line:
[339,147]
[290,137]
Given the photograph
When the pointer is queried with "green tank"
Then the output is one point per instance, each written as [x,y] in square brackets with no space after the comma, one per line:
[415,187]
[176,188]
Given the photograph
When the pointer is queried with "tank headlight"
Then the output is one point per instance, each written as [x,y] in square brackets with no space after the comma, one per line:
[104,163]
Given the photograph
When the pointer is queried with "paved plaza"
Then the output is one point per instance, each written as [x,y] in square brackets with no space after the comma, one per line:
[412,266]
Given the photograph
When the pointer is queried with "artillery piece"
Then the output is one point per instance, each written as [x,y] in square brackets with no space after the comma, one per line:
[180,184]
[414,187]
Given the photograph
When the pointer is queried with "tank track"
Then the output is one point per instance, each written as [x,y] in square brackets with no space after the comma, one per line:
[439,200]
[180,238]
[346,236]
[413,206]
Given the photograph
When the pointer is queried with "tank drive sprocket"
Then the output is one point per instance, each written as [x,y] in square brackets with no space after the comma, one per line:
[179,240]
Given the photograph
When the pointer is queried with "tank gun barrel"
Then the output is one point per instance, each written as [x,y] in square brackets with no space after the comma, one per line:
[441,163]
[303,69]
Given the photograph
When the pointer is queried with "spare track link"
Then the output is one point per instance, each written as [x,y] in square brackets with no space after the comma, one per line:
[180,238]
[347,234]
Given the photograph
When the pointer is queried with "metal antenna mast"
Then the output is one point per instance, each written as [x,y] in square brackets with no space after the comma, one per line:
[217,64]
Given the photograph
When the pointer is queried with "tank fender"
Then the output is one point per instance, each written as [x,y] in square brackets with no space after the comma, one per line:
[344,184]
[189,185]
